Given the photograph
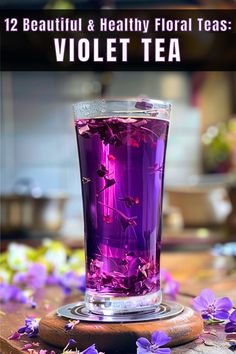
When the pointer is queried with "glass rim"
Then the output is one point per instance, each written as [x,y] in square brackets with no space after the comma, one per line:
[157,104]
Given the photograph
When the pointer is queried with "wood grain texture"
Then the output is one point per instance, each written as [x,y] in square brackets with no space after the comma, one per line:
[182,328]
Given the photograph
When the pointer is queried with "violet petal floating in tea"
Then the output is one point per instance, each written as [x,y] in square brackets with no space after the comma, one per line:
[102,171]
[144,104]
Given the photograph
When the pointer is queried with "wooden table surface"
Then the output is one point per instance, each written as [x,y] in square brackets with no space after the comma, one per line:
[194,270]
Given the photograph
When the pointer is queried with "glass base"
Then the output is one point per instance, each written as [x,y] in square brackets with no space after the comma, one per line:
[109,305]
[78,311]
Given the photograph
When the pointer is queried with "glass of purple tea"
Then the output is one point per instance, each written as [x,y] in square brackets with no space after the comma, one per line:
[122,148]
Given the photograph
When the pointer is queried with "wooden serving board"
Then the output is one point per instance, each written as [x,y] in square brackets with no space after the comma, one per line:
[120,338]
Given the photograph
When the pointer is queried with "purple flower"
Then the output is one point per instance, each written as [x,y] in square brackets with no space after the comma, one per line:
[71,342]
[170,286]
[11,293]
[31,327]
[211,307]
[53,279]
[70,325]
[8,292]
[90,350]
[70,281]
[231,325]
[35,277]
[158,339]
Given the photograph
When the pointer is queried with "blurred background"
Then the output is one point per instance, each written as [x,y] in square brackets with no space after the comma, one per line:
[40,181]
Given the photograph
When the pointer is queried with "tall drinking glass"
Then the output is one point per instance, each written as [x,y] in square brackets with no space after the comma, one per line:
[122,146]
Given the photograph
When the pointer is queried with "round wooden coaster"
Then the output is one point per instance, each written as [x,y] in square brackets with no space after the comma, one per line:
[120,337]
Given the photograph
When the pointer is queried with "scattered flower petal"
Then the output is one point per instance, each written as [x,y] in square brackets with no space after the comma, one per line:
[27,346]
[71,343]
[15,336]
[35,276]
[90,350]
[12,293]
[71,281]
[70,325]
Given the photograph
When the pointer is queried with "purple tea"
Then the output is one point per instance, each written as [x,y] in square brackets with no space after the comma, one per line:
[122,162]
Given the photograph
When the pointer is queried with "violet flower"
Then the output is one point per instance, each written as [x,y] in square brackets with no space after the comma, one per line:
[12,293]
[170,286]
[90,350]
[70,281]
[53,279]
[231,325]
[70,325]
[71,343]
[158,339]
[211,307]
[31,327]
[35,277]
[8,292]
